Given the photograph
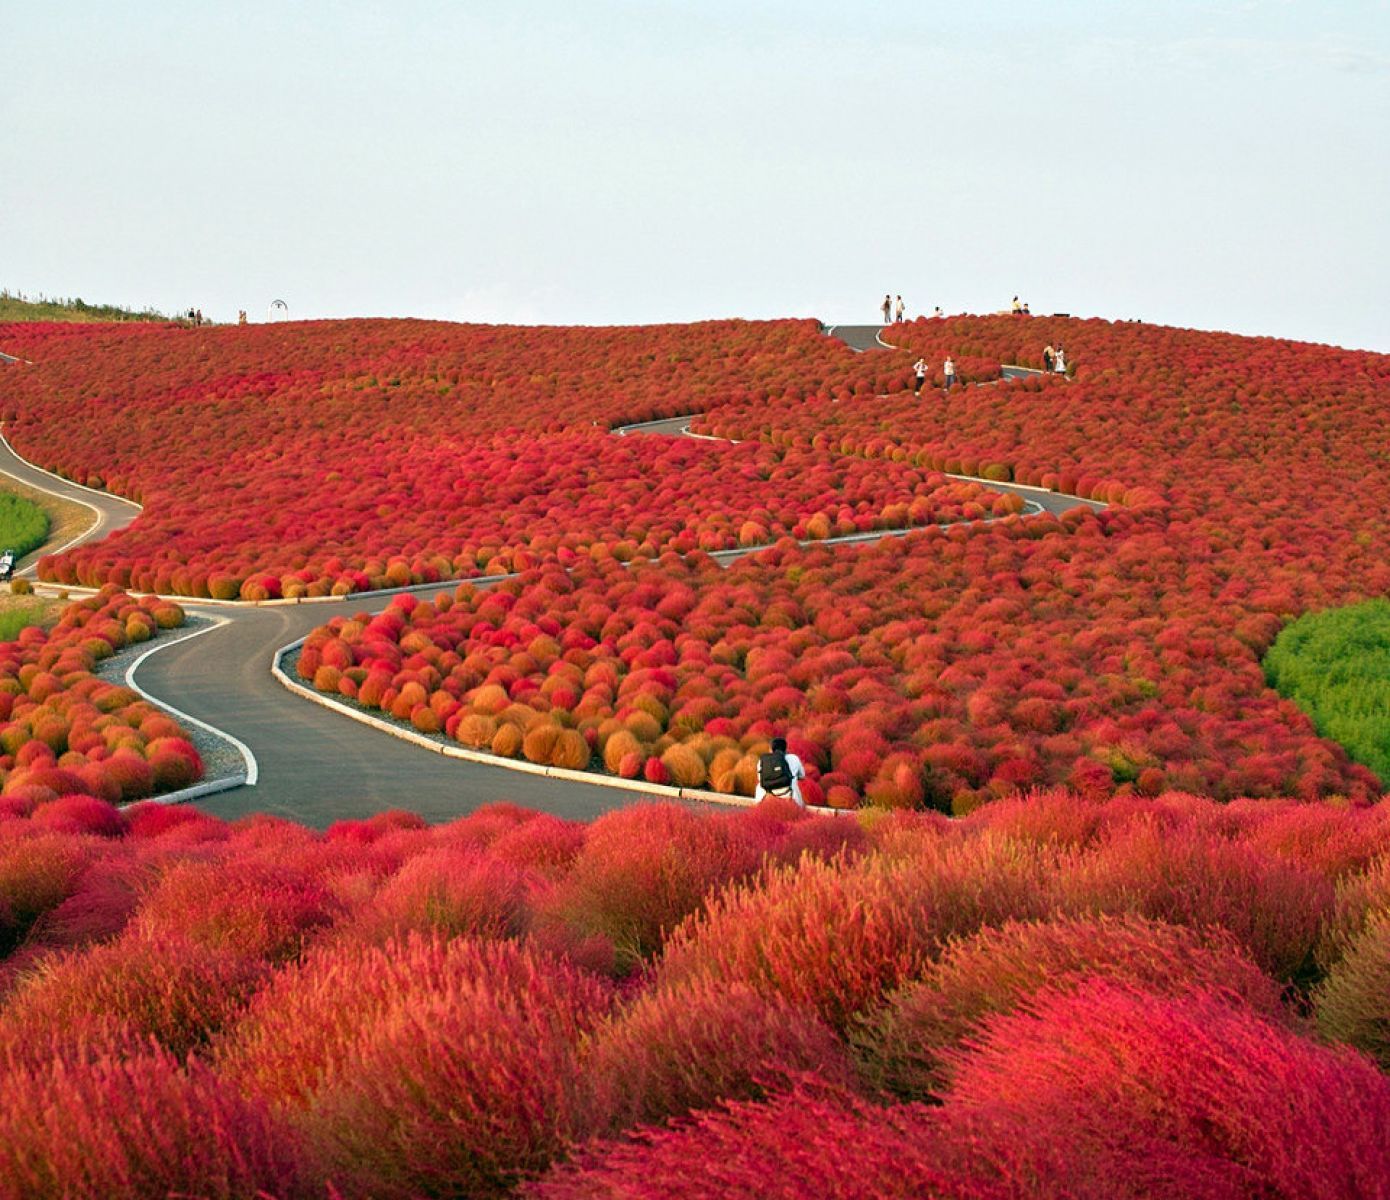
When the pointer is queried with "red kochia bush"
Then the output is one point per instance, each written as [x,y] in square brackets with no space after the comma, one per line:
[461,1089]
[1113,1073]
[252,910]
[455,892]
[171,990]
[1188,876]
[834,936]
[813,1141]
[995,970]
[146,1125]
[644,869]
[689,1047]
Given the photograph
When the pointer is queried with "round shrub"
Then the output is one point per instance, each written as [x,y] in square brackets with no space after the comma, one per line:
[143,1125]
[1112,1074]
[1352,1004]
[900,1045]
[691,1047]
[458,1082]
[171,990]
[835,936]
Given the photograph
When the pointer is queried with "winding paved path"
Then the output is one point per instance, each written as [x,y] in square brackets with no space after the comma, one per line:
[311,763]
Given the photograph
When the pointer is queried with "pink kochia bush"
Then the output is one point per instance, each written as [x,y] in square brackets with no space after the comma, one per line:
[1129,997]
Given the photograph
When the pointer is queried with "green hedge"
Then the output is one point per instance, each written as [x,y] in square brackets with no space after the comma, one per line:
[23,524]
[1335,665]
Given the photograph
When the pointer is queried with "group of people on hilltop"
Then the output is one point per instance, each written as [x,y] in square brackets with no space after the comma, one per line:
[1020,308]
[895,312]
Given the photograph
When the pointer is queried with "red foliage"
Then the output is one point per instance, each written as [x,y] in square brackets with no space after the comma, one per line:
[689,1047]
[146,1125]
[1117,1074]
[996,970]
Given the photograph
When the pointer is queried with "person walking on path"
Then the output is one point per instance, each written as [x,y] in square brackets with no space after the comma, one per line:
[949,370]
[780,773]
[1049,356]
[899,308]
[887,307]
[919,369]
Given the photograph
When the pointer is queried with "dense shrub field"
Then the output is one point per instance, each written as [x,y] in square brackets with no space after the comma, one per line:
[65,732]
[1112,652]
[1055,996]
[362,454]
[1335,665]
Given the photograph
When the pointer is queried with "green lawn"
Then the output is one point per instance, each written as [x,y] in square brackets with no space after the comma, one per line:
[1335,665]
[23,524]
[19,308]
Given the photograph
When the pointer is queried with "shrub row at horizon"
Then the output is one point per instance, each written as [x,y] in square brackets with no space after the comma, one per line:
[66,732]
[1096,999]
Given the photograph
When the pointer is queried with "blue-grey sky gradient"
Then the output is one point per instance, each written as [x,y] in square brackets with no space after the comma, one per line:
[1214,164]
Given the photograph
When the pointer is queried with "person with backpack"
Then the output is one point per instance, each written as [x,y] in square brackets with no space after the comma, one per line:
[887,307]
[780,773]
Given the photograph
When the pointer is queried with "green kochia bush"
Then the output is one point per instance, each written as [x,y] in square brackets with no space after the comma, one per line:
[1335,665]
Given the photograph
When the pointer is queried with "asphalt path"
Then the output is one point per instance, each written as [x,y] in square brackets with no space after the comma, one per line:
[315,765]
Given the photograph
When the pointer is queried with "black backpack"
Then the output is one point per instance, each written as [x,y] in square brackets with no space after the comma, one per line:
[774,772]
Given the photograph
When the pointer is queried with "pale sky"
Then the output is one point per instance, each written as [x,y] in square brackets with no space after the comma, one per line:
[1220,165]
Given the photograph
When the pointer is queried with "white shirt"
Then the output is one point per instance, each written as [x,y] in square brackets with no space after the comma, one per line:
[920,366]
[949,368]
[798,773]
[1059,362]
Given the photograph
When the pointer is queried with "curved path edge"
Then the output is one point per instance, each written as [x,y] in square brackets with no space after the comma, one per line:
[403,733]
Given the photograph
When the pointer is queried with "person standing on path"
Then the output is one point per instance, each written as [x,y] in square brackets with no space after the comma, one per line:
[919,369]
[898,310]
[949,370]
[887,307]
[1059,362]
[1049,356]
[780,773]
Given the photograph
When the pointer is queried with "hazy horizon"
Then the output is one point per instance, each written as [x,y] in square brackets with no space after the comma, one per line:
[1212,166]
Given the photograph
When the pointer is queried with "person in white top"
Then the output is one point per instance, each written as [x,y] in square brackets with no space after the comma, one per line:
[938,312]
[949,370]
[795,772]
[899,308]
[1059,362]
[919,369]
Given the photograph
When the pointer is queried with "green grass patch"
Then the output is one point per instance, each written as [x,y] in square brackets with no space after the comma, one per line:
[1335,665]
[23,524]
[12,620]
[15,306]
